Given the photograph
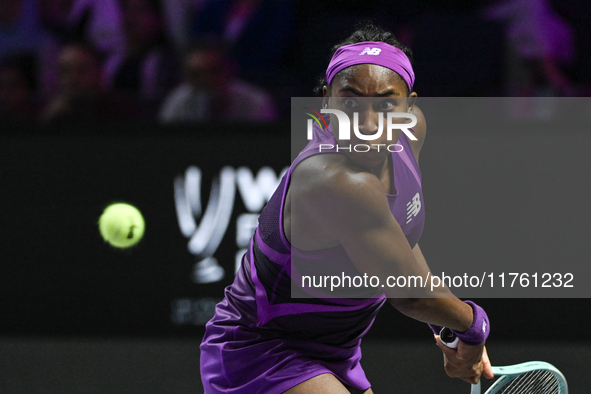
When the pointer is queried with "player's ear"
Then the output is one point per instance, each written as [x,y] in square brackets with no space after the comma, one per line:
[412,98]
[325,96]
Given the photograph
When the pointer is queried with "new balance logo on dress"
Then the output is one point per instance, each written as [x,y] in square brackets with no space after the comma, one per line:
[371,51]
[413,208]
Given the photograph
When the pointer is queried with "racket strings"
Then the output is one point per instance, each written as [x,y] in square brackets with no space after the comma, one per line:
[534,382]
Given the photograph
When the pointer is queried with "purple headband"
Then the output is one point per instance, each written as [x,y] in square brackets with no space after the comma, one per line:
[371,52]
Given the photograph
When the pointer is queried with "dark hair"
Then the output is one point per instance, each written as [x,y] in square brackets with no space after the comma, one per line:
[217,46]
[210,44]
[366,31]
[157,7]
[26,65]
[87,47]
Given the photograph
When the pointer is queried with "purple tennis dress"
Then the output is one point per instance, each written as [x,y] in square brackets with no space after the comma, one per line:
[261,340]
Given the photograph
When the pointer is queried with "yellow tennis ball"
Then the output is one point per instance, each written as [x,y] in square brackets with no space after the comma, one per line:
[122,225]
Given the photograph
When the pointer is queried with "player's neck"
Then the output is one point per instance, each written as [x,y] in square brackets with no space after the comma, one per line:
[380,169]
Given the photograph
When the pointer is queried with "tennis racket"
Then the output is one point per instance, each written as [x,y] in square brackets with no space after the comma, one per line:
[534,377]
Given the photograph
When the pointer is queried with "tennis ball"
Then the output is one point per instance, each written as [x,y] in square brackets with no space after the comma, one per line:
[122,225]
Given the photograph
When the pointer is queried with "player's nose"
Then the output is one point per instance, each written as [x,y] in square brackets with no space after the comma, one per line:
[370,122]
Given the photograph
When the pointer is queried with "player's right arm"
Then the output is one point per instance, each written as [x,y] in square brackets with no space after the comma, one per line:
[466,362]
[351,208]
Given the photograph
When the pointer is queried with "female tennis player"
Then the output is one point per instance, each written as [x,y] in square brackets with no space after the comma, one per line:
[346,209]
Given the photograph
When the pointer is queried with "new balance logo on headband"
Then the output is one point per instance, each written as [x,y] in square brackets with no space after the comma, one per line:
[371,51]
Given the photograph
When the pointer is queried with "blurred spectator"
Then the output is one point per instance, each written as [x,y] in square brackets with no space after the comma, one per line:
[20,30]
[541,44]
[578,15]
[17,88]
[146,69]
[98,22]
[211,91]
[102,24]
[178,16]
[81,95]
[258,31]
[54,14]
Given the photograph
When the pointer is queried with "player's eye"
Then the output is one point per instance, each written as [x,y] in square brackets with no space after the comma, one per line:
[350,103]
[387,105]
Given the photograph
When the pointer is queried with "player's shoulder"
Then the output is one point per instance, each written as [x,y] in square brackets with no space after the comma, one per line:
[334,176]
[419,131]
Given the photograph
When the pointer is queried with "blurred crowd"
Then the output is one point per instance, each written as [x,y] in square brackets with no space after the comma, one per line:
[183,61]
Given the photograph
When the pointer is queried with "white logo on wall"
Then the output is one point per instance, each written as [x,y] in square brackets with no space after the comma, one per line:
[371,51]
[205,237]
[413,208]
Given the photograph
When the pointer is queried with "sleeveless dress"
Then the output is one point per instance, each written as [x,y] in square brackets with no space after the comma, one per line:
[261,340]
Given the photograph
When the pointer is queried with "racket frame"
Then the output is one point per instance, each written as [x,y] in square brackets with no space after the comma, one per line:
[509,372]
[505,374]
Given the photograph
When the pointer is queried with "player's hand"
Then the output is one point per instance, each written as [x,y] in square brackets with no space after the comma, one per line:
[486,366]
[466,362]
